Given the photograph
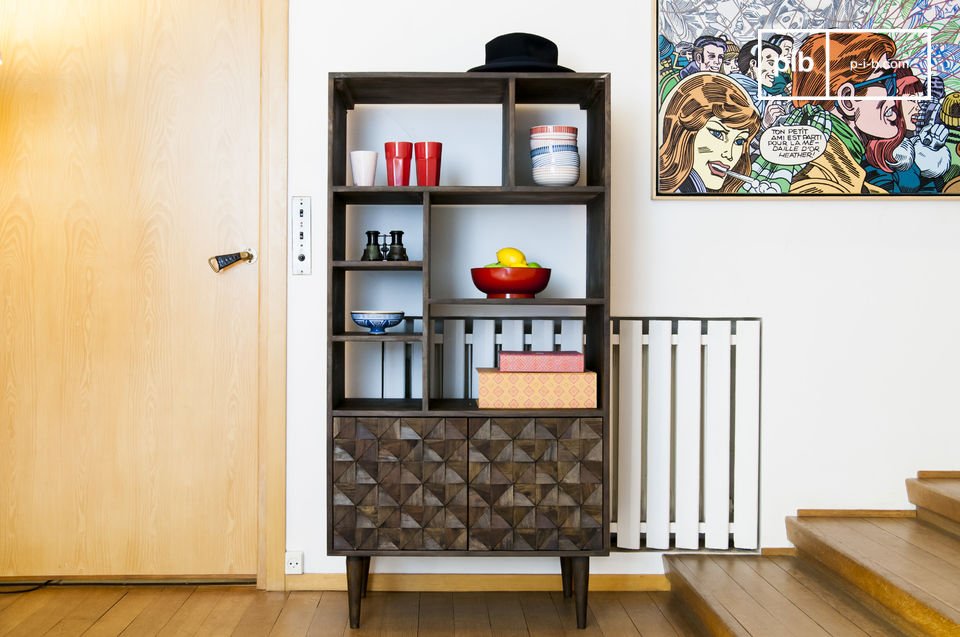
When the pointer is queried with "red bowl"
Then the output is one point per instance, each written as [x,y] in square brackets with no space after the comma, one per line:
[510,283]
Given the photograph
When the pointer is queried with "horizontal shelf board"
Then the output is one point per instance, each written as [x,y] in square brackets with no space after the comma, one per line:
[419,88]
[467,88]
[402,337]
[533,195]
[536,301]
[378,265]
[450,407]
[583,89]
[379,407]
[468,195]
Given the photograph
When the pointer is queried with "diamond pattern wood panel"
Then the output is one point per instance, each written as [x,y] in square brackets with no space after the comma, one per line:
[400,484]
[487,484]
[536,484]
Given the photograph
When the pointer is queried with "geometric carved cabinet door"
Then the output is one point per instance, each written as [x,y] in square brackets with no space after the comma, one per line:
[483,484]
[399,484]
[536,484]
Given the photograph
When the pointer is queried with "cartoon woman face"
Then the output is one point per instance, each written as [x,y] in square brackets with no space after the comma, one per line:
[730,66]
[716,149]
[911,109]
[707,124]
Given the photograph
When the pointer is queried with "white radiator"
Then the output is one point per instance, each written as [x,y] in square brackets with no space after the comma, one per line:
[687,447]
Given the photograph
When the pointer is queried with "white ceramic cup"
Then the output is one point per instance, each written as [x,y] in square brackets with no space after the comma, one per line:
[364,166]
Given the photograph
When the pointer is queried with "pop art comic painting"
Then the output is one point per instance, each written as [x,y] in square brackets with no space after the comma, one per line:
[808,97]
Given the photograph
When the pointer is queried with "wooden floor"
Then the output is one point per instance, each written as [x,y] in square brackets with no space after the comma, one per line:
[101,611]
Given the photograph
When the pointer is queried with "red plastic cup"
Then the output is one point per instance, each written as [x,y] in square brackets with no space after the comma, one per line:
[398,156]
[428,163]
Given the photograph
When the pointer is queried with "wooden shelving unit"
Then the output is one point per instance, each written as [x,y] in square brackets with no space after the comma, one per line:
[429,475]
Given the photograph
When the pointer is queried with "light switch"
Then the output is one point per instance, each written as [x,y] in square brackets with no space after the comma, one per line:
[301,252]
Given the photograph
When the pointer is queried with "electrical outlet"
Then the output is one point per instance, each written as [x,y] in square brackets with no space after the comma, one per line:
[293,564]
[301,252]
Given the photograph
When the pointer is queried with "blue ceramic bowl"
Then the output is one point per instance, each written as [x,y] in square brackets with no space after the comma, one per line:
[375,320]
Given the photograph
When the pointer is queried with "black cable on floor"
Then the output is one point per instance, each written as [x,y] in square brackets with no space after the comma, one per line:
[24,590]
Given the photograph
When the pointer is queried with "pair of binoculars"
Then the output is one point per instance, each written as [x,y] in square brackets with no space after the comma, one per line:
[377,248]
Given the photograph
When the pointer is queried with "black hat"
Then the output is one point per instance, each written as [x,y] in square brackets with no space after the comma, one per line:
[521,52]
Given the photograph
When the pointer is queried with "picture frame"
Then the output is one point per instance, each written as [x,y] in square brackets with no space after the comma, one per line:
[807,98]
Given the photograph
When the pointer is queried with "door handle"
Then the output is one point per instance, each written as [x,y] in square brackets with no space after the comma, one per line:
[224,261]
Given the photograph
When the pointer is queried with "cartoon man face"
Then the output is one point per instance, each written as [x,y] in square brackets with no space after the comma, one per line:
[730,66]
[876,117]
[712,59]
[786,55]
[717,149]
[767,66]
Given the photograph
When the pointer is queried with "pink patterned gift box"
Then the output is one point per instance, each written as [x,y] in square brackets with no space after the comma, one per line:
[541,362]
[536,390]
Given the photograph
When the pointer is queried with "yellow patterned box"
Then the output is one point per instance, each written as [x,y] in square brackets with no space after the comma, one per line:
[536,390]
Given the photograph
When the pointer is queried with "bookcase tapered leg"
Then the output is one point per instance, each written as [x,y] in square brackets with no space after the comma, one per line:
[581,581]
[366,575]
[355,587]
[566,576]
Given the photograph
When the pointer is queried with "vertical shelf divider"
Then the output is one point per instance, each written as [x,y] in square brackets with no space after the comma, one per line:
[509,129]
[427,322]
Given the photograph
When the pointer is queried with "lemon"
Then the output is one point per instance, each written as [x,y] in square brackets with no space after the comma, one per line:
[511,258]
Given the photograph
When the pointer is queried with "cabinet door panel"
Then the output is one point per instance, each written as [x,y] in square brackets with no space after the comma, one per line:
[400,484]
[532,486]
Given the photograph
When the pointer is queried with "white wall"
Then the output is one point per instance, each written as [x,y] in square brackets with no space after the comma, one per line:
[858,298]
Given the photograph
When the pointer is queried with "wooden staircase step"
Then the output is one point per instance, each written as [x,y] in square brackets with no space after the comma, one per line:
[938,501]
[735,595]
[907,568]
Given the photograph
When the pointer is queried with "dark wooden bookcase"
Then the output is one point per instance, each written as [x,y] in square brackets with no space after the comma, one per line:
[439,476]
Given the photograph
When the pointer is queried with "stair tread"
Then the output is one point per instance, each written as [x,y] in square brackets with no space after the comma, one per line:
[918,561]
[775,596]
[941,495]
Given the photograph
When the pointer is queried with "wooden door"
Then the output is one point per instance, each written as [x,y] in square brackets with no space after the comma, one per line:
[129,154]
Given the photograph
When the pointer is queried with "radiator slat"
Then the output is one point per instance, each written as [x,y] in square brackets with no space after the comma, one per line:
[658,435]
[511,339]
[393,370]
[746,436]
[484,350]
[542,338]
[630,456]
[687,472]
[716,435]
[571,335]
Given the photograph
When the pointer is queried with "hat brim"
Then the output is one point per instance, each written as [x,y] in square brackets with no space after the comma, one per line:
[533,66]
